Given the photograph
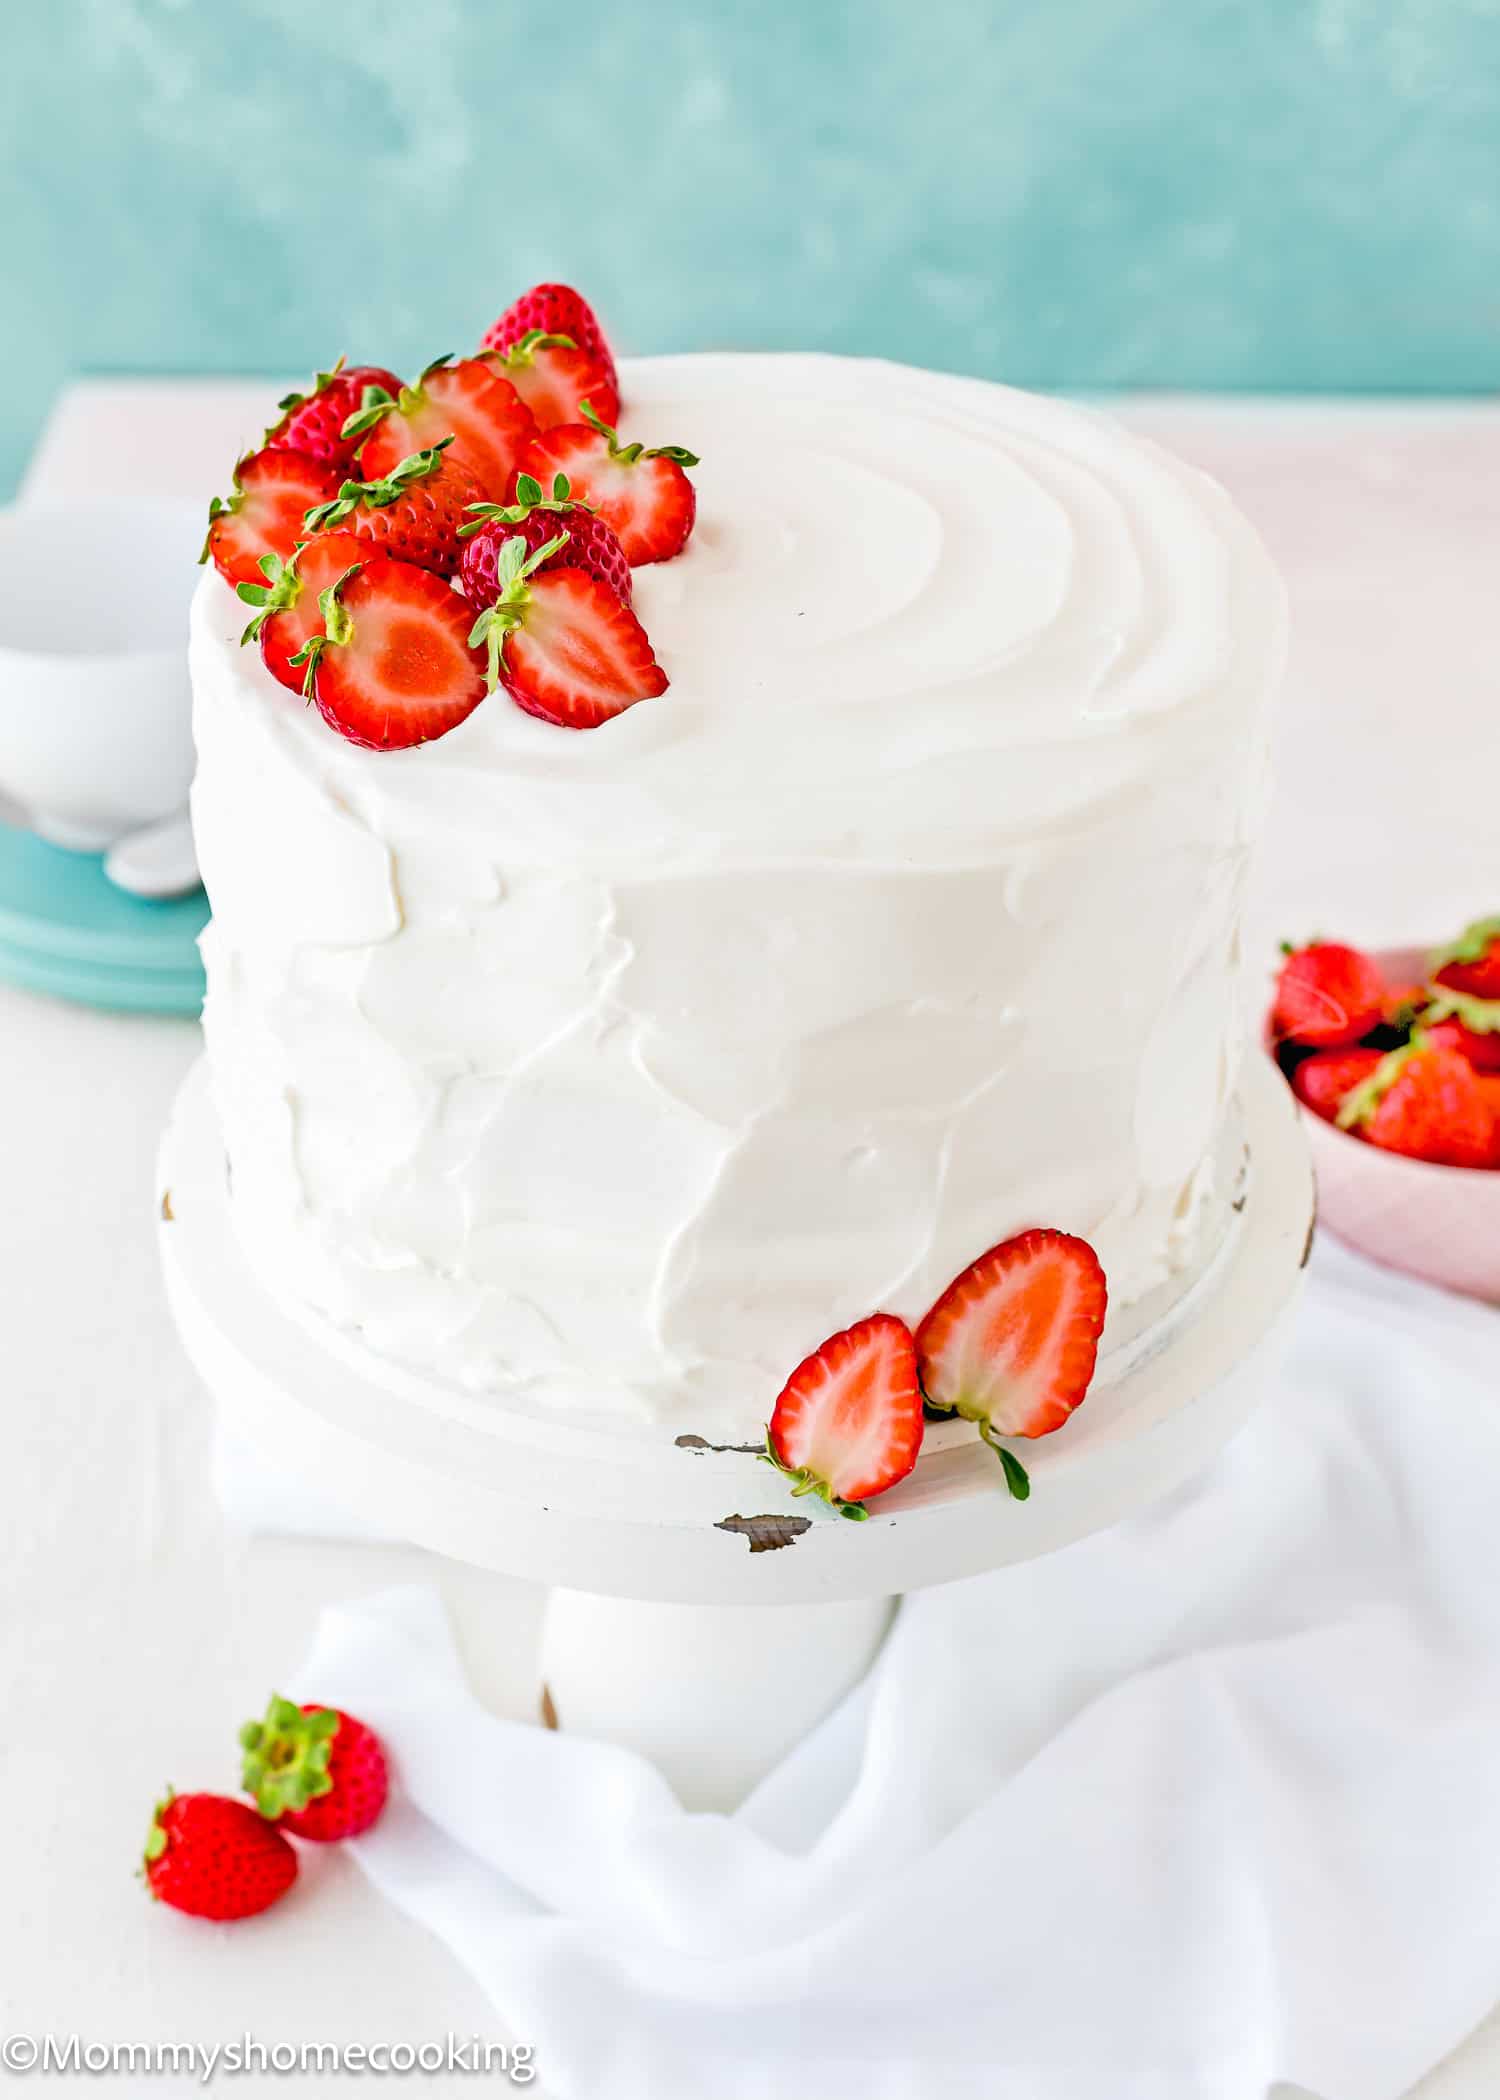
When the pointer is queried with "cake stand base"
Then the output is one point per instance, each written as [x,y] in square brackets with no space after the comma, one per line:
[664,1550]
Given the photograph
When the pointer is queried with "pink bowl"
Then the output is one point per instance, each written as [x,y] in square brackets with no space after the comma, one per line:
[1439,1223]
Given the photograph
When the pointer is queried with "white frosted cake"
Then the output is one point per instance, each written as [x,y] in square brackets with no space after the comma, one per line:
[613,1071]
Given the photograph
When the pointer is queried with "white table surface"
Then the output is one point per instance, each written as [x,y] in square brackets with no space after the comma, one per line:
[135,1634]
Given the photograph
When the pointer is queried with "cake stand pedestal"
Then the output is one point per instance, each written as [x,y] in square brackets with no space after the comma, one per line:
[669,1556]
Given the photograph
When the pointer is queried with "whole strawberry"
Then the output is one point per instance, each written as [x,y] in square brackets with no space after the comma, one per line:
[591,544]
[1427,1102]
[1472,963]
[314,1771]
[314,422]
[1324,1081]
[413,513]
[216,1858]
[1327,996]
[554,309]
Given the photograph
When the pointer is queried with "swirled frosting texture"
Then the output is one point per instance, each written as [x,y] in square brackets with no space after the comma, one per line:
[613,1070]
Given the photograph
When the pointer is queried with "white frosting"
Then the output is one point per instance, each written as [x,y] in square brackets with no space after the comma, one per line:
[614,1069]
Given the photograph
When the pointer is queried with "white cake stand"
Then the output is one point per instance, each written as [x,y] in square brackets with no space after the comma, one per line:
[664,1551]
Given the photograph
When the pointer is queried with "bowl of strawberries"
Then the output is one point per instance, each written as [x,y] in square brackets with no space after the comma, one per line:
[1395,1058]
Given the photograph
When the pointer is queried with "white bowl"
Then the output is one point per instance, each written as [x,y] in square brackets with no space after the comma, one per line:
[95,730]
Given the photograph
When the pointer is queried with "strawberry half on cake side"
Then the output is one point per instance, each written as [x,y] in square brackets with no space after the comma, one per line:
[1012,1343]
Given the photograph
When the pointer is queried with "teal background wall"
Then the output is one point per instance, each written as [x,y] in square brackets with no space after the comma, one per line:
[1086,193]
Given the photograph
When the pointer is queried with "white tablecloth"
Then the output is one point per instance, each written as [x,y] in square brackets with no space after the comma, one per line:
[134,1636]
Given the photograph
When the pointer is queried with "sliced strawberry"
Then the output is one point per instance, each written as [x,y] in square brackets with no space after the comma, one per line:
[561,642]
[272,490]
[554,309]
[1011,1344]
[488,422]
[394,666]
[289,614]
[556,379]
[314,422]
[644,495]
[1323,1081]
[848,1424]
[1472,963]
[414,513]
[1427,1102]
[1327,996]
[590,544]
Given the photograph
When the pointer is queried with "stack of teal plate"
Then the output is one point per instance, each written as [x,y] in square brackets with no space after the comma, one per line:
[66,929]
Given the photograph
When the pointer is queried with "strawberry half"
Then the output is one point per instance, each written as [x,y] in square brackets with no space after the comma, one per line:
[554,309]
[590,543]
[1426,1101]
[555,378]
[272,490]
[290,614]
[315,1770]
[561,642]
[1012,1343]
[314,422]
[1327,996]
[414,513]
[1472,963]
[216,1858]
[642,494]
[848,1423]
[468,402]
[393,667]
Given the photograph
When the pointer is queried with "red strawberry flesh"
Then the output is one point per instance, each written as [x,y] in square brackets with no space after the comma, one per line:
[1012,1343]
[469,402]
[644,496]
[553,309]
[396,668]
[1472,964]
[273,490]
[848,1423]
[290,614]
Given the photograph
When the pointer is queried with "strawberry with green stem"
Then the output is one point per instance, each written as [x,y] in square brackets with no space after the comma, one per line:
[1426,1101]
[273,489]
[561,642]
[392,666]
[1012,1343]
[556,378]
[314,1770]
[289,612]
[640,491]
[414,513]
[848,1423]
[215,1858]
[465,403]
[314,422]
[590,544]
[1471,964]
[554,309]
